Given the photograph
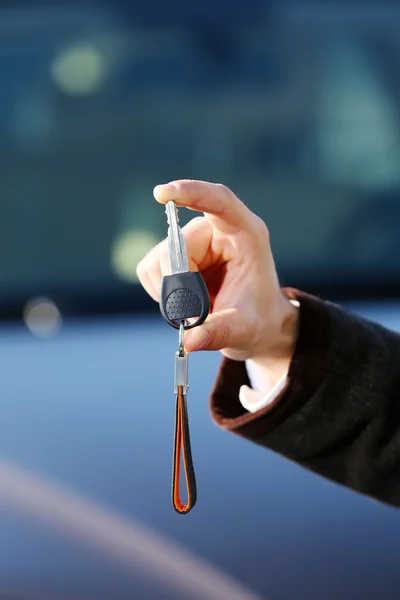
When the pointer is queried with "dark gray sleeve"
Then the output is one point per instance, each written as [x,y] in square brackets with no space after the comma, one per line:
[340,413]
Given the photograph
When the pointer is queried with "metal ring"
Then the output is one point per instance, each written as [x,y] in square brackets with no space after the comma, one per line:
[181,349]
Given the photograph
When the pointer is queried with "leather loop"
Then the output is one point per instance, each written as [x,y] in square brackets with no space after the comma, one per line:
[182,446]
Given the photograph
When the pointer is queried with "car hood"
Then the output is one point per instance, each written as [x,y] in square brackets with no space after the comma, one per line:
[86,429]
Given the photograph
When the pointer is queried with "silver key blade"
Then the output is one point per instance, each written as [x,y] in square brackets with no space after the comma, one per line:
[176,242]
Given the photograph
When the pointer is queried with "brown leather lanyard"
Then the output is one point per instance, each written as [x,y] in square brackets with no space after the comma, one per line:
[182,447]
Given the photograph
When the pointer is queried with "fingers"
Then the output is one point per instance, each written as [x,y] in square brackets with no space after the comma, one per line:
[148,271]
[197,234]
[224,209]
[224,329]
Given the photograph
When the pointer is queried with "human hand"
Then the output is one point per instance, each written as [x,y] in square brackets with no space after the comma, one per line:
[250,317]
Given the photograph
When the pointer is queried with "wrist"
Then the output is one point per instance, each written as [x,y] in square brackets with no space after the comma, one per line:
[275,360]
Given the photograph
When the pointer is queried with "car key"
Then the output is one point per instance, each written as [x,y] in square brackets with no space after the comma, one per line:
[184,294]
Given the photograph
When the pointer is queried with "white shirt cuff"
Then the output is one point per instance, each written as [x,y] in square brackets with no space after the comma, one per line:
[254,398]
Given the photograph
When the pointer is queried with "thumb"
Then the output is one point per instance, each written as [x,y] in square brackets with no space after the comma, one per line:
[219,331]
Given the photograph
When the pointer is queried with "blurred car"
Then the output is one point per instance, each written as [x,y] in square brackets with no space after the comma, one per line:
[295,106]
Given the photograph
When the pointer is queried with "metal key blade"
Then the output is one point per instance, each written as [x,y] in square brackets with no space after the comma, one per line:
[176,242]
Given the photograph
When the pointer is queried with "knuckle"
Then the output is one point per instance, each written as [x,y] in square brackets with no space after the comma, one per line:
[158,251]
[142,266]
[144,262]
[151,259]
[261,227]
[139,270]
[178,187]
[257,234]
[225,190]
[182,186]
[224,338]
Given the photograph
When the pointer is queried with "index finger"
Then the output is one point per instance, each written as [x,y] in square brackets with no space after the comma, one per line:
[226,212]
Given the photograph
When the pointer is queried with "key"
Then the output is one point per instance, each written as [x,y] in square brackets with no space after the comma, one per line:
[176,242]
[184,294]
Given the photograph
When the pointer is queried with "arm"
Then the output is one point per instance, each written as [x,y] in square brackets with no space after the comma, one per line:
[339,414]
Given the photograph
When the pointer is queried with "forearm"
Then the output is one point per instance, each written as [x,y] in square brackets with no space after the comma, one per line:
[338,414]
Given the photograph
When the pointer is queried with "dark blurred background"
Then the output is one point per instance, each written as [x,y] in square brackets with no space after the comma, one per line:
[293,105]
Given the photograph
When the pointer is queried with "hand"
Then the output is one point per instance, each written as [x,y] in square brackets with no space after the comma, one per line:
[250,317]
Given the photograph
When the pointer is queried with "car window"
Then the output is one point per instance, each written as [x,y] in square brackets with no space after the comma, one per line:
[299,117]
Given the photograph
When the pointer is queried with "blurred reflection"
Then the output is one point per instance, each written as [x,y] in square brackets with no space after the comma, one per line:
[118,538]
[42,317]
[128,250]
[79,69]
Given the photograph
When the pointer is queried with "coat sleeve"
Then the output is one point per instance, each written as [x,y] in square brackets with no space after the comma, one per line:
[339,415]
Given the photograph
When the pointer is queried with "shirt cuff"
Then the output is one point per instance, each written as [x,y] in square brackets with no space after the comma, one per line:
[252,399]
[306,372]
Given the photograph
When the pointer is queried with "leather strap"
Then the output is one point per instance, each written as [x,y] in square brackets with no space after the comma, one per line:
[182,446]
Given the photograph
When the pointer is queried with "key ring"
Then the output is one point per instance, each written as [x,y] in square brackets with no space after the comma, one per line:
[181,346]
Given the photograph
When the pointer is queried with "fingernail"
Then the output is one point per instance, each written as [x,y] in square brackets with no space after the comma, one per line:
[196,339]
[166,186]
